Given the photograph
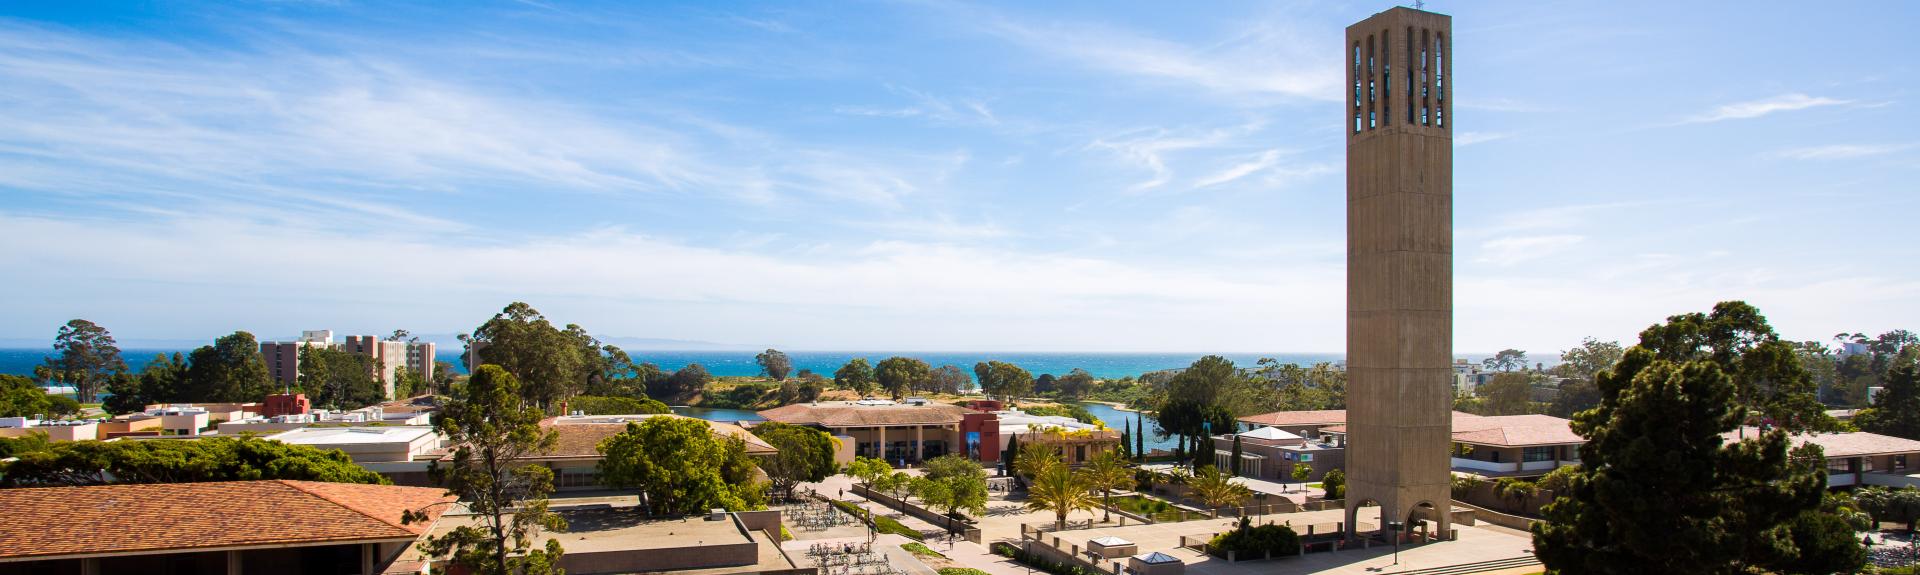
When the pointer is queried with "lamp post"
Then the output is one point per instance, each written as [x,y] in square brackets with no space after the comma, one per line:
[1396,527]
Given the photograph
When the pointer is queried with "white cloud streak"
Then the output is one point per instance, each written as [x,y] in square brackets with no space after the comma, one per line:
[1841,151]
[1263,58]
[1758,108]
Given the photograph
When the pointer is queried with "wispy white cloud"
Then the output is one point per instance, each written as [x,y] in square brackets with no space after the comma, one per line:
[1513,250]
[1841,151]
[926,105]
[248,129]
[1267,56]
[1265,160]
[1471,138]
[1149,148]
[1758,108]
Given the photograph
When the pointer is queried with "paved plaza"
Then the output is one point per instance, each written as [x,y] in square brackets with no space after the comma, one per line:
[1007,514]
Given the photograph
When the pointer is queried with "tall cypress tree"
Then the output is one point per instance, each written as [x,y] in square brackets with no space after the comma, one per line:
[1140,439]
[1236,456]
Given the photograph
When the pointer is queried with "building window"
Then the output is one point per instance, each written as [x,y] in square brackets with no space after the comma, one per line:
[1838,466]
[1531,454]
[1370,120]
[1899,462]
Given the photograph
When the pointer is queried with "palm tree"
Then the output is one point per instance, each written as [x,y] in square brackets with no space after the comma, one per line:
[1060,490]
[1108,471]
[1035,458]
[1216,489]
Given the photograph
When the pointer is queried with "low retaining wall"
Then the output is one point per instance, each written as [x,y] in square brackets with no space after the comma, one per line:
[1498,518]
[950,524]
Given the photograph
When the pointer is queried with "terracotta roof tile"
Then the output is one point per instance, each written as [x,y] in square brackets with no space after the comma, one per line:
[582,439]
[1289,418]
[1852,444]
[57,521]
[844,415]
[1516,431]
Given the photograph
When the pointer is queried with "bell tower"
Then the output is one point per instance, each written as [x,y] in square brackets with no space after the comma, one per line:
[1399,267]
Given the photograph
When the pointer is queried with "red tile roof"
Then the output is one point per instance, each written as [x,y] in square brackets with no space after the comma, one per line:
[1515,431]
[46,522]
[582,438]
[845,415]
[1852,444]
[1292,418]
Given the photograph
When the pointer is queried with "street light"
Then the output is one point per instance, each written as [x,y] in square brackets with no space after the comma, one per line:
[1396,527]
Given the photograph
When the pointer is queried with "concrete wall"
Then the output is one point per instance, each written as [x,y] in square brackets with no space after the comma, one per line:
[651,560]
[1399,266]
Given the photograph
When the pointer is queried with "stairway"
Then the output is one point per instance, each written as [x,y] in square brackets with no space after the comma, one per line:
[1480,567]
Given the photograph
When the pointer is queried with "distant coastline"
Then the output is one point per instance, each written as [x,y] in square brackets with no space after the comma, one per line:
[21,361]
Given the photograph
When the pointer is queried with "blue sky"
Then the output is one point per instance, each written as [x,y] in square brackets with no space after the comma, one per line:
[931,175]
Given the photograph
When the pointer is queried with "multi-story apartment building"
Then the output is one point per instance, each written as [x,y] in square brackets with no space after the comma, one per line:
[389,357]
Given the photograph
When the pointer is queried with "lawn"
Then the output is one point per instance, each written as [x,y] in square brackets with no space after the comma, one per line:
[1160,511]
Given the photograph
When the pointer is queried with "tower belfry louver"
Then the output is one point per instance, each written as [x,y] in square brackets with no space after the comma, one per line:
[1399,266]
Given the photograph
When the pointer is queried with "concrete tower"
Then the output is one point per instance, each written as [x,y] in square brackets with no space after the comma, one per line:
[1399,267]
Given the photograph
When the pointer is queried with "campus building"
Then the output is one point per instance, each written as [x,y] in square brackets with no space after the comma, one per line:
[389,357]
[1859,458]
[915,431]
[896,432]
[227,527]
[1488,446]
[575,457]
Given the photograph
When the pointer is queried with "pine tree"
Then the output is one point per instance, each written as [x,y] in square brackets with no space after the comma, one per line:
[1661,491]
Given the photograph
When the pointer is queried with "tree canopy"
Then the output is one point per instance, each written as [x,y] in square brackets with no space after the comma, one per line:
[855,375]
[680,467]
[229,370]
[774,363]
[1765,371]
[899,375]
[1659,488]
[806,455]
[86,357]
[21,397]
[953,483]
[1002,379]
[69,463]
[1506,360]
[1895,410]
[339,379]
[493,428]
[948,379]
[596,405]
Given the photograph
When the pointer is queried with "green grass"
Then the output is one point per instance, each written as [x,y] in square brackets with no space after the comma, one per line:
[922,550]
[961,571]
[1159,511]
[881,523]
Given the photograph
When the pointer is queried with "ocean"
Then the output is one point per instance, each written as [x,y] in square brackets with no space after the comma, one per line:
[726,363]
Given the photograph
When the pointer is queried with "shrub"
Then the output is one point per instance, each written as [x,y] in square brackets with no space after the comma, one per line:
[597,405]
[961,571]
[1254,542]
[921,549]
[1009,550]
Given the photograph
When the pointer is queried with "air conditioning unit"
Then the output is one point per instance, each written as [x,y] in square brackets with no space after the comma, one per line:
[717,514]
